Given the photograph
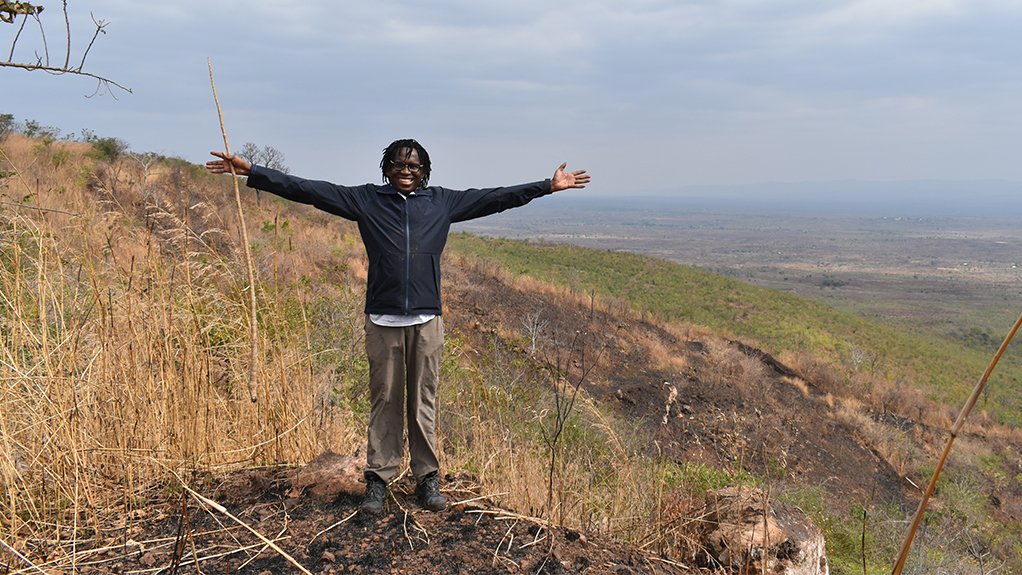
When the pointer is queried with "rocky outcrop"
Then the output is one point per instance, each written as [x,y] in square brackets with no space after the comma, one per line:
[744,529]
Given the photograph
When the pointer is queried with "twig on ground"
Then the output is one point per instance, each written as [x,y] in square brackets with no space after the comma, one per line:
[502,515]
[263,538]
[148,545]
[263,548]
[22,557]
[669,562]
[506,535]
[415,525]
[507,560]
[535,541]
[479,498]
[335,525]
[197,560]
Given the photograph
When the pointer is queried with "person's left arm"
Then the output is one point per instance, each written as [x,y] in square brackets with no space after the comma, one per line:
[476,203]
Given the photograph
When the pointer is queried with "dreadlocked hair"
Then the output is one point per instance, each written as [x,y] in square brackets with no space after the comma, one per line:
[390,153]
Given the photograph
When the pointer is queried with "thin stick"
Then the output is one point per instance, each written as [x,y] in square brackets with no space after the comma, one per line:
[257,553]
[900,564]
[196,560]
[22,557]
[261,537]
[480,498]
[339,523]
[244,240]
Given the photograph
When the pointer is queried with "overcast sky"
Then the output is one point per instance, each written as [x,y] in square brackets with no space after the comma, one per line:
[649,95]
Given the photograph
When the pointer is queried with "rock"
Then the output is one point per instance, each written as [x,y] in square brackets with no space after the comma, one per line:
[742,532]
[329,475]
[672,397]
[328,557]
[149,559]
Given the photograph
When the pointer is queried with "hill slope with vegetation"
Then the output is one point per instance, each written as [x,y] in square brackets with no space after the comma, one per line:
[593,391]
[941,367]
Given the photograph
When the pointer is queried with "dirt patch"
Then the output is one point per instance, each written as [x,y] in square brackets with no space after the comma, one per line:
[328,538]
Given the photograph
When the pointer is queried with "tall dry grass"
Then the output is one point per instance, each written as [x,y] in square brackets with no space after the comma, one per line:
[604,483]
[123,346]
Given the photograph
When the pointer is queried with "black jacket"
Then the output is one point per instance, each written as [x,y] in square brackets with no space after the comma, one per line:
[403,237]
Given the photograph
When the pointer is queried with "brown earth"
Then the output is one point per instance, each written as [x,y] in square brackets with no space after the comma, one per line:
[728,412]
[327,537]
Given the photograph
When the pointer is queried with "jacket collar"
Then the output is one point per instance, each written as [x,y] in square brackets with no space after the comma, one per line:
[390,190]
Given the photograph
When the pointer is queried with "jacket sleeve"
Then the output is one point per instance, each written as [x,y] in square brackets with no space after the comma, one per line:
[470,204]
[344,201]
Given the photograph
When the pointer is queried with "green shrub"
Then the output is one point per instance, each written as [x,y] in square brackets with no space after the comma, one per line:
[107,149]
[6,126]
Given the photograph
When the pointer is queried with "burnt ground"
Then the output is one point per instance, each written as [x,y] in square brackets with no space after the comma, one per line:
[722,415]
[327,537]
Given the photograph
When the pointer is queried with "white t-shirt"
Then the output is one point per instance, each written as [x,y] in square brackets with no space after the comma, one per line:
[388,320]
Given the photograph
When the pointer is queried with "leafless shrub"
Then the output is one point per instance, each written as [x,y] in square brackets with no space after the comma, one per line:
[534,325]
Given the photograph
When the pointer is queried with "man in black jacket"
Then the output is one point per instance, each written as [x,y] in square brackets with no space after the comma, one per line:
[404,226]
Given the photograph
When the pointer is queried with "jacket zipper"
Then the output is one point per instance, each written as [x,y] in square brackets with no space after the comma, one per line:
[408,257]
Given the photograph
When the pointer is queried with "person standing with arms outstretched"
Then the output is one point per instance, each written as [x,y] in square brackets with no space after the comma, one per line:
[404,225]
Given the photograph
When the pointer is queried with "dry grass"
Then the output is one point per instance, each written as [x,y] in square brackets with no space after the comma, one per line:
[122,349]
[727,364]
[889,442]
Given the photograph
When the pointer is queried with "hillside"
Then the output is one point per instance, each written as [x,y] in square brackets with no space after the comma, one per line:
[125,362]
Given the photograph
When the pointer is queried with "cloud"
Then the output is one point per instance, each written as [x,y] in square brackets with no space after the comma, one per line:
[737,90]
[881,14]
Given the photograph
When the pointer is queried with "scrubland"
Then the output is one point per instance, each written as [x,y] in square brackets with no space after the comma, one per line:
[125,353]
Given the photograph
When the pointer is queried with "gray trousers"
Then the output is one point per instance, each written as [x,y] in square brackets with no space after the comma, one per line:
[404,371]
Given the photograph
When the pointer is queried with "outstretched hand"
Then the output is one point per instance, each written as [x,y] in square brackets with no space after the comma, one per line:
[223,165]
[564,180]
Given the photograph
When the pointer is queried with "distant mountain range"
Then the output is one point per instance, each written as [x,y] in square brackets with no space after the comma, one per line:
[903,198]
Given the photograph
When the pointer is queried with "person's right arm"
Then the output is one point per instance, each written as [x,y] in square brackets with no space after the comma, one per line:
[343,201]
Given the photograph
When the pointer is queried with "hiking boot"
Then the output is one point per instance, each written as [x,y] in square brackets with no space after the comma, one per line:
[375,496]
[428,493]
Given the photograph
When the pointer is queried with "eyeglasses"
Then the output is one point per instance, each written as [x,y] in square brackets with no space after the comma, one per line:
[401,166]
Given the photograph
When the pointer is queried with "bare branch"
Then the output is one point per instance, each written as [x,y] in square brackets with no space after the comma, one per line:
[16,36]
[59,71]
[45,58]
[100,25]
[10,10]
[67,26]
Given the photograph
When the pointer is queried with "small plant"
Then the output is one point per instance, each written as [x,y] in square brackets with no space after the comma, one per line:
[107,149]
[6,126]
